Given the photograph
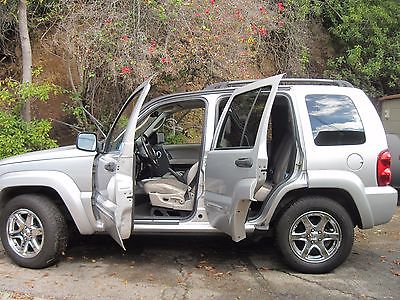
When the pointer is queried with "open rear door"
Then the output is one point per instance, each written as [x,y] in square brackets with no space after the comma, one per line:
[113,200]
[236,165]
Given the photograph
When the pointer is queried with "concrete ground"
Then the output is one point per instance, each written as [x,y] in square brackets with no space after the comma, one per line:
[206,268]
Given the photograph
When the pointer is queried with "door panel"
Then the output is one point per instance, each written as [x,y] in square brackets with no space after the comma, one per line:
[236,165]
[114,170]
[185,154]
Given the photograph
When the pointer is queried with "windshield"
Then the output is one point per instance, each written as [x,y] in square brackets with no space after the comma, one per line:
[144,124]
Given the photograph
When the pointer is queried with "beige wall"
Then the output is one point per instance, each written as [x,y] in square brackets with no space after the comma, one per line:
[390,115]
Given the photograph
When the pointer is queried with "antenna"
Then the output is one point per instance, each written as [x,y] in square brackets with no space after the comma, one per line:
[95,121]
[76,128]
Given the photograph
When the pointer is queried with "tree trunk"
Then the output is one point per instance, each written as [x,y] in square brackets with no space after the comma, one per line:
[26,54]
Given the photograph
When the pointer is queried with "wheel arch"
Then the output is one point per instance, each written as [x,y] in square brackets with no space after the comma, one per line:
[10,192]
[57,186]
[338,195]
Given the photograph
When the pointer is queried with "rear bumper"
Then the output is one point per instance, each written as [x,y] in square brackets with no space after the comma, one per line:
[382,202]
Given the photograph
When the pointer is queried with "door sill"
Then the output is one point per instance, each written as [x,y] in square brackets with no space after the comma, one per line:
[158,221]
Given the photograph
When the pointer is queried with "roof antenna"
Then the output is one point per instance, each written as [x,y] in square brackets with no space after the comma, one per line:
[96,122]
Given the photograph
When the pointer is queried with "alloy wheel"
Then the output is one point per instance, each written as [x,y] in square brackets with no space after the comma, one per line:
[315,236]
[25,233]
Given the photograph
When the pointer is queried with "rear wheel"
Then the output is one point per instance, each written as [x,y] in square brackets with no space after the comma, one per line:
[315,234]
[33,231]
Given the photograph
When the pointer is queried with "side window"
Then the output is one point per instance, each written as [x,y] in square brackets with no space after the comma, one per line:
[334,120]
[184,127]
[241,123]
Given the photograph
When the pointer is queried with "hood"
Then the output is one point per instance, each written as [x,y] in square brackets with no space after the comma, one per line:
[56,153]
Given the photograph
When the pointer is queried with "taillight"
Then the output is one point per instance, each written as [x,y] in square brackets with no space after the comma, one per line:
[383,173]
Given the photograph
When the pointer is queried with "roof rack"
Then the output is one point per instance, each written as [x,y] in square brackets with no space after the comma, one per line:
[284,81]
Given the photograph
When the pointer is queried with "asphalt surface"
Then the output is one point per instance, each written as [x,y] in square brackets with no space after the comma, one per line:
[177,267]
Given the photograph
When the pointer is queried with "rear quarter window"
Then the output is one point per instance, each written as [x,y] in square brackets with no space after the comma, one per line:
[334,120]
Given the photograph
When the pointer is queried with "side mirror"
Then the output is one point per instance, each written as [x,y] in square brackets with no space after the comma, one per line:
[87,141]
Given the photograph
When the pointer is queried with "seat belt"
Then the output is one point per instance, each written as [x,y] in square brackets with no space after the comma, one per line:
[189,192]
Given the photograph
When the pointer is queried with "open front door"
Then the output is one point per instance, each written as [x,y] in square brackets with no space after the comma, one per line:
[114,170]
[236,165]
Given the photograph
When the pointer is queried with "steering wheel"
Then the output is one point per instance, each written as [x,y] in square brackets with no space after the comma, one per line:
[146,150]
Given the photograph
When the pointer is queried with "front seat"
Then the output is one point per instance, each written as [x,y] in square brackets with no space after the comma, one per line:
[172,193]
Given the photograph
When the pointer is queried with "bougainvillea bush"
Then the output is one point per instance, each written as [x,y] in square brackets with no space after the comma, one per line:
[112,46]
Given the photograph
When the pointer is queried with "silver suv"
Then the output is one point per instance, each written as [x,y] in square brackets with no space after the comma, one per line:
[305,159]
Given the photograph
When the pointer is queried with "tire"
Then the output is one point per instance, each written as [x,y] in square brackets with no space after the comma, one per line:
[42,242]
[310,226]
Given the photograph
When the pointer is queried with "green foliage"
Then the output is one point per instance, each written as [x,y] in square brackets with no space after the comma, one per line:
[13,93]
[366,38]
[368,43]
[16,135]
[177,138]
[304,59]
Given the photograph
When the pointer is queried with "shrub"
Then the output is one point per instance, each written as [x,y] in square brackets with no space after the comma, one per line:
[110,47]
[366,38]
[16,135]
[368,41]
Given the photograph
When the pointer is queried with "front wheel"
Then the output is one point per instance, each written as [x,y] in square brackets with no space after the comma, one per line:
[33,231]
[315,234]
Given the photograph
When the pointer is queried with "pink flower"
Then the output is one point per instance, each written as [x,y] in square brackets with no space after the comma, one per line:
[126,70]
[280,6]
[212,2]
[238,14]
[163,59]
[207,12]
[263,31]
[153,46]
[197,15]
[125,38]
[262,9]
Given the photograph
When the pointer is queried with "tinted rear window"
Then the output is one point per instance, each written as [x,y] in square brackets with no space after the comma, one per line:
[334,120]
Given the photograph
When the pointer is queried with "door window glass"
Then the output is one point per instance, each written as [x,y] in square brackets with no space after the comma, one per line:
[242,121]
[118,131]
[220,108]
[184,127]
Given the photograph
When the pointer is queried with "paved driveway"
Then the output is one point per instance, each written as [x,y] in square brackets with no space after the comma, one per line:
[206,268]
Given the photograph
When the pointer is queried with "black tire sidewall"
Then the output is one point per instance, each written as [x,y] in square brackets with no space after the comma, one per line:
[315,203]
[54,228]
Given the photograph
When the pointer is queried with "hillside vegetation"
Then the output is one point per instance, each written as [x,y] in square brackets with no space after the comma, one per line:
[93,53]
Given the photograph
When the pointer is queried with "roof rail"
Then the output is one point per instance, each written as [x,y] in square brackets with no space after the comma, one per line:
[308,81]
[284,81]
[228,84]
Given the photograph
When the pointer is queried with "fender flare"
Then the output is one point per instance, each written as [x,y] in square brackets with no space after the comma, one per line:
[320,179]
[349,182]
[59,182]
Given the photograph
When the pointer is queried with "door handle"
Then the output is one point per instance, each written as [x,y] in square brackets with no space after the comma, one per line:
[244,162]
[111,166]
